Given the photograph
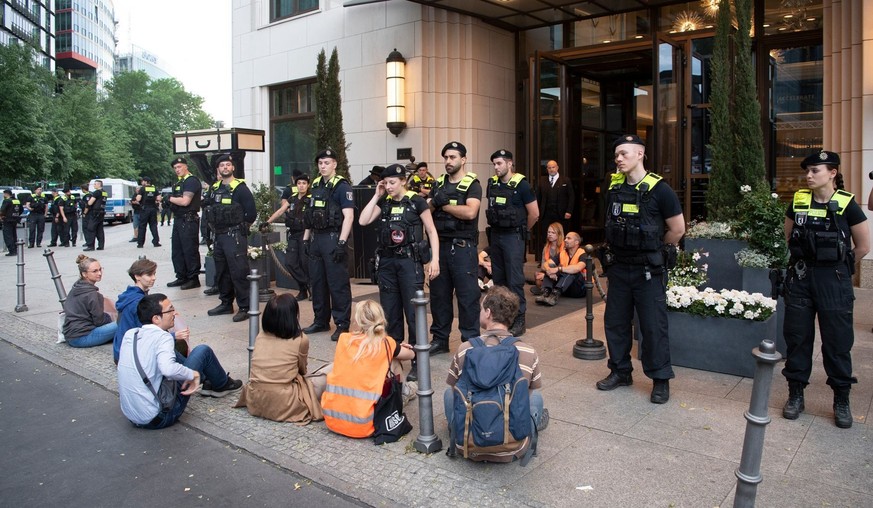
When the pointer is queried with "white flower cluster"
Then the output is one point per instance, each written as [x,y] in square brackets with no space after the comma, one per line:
[750,258]
[729,303]
[744,189]
[710,230]
[255,252]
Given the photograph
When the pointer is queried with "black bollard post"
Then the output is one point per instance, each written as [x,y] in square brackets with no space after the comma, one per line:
[56,276]
[757,419]
[588,348]
[265,293]
[19,262]
[254,312]
[427,440]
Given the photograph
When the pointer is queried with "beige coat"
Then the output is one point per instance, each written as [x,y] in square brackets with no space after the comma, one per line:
[277,389]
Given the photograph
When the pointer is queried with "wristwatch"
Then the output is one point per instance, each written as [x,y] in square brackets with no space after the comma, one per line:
[341,243]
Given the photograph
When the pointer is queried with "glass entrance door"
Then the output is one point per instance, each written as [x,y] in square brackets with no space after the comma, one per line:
[668,142]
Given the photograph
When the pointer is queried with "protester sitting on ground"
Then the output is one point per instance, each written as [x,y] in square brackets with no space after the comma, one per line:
[497,310]
[278,389]
[568,277]
[485,280]
[143,272]
[551,254]
[86,320]
[157,359]
[360,363]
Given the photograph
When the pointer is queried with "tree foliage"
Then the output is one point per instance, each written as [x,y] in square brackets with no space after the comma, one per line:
[747,120]
[329,113]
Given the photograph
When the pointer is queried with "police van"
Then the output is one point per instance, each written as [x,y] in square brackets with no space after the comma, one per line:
[118,195]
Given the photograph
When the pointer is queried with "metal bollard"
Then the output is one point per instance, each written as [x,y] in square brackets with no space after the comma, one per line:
[19,262]
[427,440]
[265,293]
[749,472]
[56,276]
[588,348]
[254,312]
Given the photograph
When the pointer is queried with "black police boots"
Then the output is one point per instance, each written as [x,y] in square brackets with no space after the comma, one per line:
[438,347]
[303,294]
[794,406]
[518,326]
[842,411]
[614,380]
[660,391]
[220,310]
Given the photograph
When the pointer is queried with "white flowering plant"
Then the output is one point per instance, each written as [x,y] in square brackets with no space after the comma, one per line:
[279,246]
[727,303]
[761,222]
[690,270]
[703,229]
[255,252]
[750,258]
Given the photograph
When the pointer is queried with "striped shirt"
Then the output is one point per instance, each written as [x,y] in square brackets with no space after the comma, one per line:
[528,362]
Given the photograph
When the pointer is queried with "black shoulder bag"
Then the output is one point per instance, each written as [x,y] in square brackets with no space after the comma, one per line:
[169,390]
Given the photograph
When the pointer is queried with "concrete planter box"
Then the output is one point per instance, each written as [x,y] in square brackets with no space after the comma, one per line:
[719,344]
[756,280]
[724,272]
[282,280]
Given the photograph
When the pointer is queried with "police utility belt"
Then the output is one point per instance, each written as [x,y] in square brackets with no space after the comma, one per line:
[457,242]
[228,231]
[186,215]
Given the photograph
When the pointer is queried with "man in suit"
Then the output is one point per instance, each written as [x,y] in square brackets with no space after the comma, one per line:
[555,197]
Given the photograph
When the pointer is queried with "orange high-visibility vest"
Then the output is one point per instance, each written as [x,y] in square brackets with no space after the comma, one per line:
[353,388]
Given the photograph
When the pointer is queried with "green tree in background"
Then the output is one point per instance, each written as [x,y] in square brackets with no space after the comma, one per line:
[329,131]
[749,160]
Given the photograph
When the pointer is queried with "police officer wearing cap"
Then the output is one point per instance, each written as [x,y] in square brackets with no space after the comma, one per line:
[95,210]
[230,213]
[644,223]
[148,197]
[826,232]
[185,204]
[10,213]
[405,256]
[295,196]
[36,218]
[455,201]
[69,221]
[421,182]
[329,218]
[54,215]
[512,211]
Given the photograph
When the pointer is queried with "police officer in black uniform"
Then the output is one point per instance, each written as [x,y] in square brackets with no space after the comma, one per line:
[230,214]
[826,232]
[69,218]
[54,216]
[148,197]
[643,225]
[455,200]
[512,211]
[36,218]
[185,203]
[293,208]
[421,182]
[329,219]
[405,256]
[11,211]
[95,211]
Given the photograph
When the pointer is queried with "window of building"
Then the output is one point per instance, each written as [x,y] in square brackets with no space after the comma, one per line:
[280,9]
[292,129]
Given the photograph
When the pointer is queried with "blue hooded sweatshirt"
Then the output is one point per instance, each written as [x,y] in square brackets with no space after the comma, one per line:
[127,318]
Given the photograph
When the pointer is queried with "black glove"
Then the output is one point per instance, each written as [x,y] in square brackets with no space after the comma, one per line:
[439,199]
[339,253]
[306,247]
[264,227]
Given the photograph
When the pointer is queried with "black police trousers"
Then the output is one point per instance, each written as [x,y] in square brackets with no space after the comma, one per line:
[92,226]
[330,282]
[507,263]
[35,228]
[69,229]
[629,290]
[459,264]
[399,278]
[230,253]
[10,235]
[295,260]
[148,216]
[186,246]
[825,291]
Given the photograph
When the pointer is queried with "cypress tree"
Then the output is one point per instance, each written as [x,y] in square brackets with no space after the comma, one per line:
[749,160]
[329,131]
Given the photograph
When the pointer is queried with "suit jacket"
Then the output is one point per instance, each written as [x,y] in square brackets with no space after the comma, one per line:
[555,201]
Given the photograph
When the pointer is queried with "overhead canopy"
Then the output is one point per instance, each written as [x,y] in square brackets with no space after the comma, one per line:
[517,15]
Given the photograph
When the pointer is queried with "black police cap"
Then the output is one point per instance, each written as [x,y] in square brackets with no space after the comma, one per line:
[325,154]
[300,176]
[822,157]
[394,170]
[179,160]
[225,157]
[506,154]
[629,139]
[145,178]
[421,165]
[454,145]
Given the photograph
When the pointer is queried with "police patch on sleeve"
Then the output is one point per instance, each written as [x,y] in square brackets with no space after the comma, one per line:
[349,196]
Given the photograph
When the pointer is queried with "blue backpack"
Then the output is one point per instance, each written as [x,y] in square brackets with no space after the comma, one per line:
[492,420]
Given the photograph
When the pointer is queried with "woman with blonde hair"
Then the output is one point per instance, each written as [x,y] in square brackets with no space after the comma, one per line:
[360,364]
[86,322]
[551,257]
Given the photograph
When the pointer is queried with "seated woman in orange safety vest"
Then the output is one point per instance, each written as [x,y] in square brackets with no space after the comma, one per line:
[568,278]
[359,366]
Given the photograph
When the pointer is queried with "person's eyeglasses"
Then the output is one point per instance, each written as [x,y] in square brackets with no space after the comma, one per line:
[171,310]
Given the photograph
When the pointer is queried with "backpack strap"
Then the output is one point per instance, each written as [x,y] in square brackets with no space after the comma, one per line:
[532,448]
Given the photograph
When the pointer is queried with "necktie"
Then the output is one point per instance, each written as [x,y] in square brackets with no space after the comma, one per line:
[552,180]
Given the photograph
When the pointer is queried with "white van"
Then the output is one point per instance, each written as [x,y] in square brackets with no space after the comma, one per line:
[118,195]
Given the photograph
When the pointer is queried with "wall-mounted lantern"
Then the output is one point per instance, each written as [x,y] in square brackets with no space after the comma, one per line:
[396,96]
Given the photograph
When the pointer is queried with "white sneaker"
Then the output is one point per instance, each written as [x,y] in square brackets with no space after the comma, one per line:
[409,389]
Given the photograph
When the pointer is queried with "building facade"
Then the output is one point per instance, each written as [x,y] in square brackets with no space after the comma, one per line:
[138,59]
[30,22]
[85,39]
[556,80]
